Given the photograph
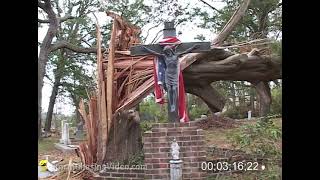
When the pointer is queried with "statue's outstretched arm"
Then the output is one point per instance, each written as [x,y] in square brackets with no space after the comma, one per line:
[151,51]
[189,50]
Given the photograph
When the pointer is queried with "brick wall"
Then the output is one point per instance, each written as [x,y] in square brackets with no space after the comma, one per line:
[128,174]
[157,150]
[157,153]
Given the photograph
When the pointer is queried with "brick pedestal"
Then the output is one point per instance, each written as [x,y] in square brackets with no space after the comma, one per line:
[122,174]
[157,150]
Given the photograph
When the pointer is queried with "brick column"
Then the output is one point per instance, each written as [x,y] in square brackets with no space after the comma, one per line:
[157,150]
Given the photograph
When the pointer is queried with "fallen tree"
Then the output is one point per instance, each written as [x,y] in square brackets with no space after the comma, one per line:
[220,64]
[131,80]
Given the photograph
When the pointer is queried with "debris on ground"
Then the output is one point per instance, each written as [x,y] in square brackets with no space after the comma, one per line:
[217,122]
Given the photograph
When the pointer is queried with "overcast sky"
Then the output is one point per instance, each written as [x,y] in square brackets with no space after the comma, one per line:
[189,32]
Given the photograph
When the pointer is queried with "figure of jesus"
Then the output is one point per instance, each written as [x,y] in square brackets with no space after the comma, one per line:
[172,71]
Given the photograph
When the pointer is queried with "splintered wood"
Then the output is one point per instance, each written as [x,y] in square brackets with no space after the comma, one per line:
[88,149]
[110,73]
[123,81]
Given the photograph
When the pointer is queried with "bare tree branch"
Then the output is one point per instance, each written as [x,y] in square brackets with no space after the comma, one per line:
[235,18]
[59,10]
[152,28]
[45,75]
[211,6]
[41,5]
[275,7]
[82,40]
[43,21]
[156,37]
[46,6]
[62,19]
[280,4]
[67,45]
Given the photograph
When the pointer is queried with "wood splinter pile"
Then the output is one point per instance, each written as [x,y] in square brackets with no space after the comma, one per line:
[123,81]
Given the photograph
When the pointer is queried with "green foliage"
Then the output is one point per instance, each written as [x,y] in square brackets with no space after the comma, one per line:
[261,18]
[273,172]
[58,118]
[136,159]
[276,105]
[133,159]
[276,48]
[196,111]
[73,71]
[262,139]
[223,87]
[236,112]
[234,90]
[151,111]
[146,125]
[196,107]
[168,10]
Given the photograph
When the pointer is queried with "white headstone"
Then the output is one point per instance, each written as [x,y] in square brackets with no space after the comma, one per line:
[66,129]
[249,115]
[64,133]
[203,116]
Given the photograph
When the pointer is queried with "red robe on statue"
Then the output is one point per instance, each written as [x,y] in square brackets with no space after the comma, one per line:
[158,69]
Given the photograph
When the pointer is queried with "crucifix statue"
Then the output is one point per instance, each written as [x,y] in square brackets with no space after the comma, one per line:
[168,53]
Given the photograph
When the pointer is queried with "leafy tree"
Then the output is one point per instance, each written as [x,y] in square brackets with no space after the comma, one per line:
[56,13]
[62,61]
[263,19]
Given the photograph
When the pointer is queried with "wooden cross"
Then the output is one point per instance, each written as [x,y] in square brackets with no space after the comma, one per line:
[169,31]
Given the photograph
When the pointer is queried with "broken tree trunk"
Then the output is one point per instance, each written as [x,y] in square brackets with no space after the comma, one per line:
[124,139]
[110,72]
[102,105]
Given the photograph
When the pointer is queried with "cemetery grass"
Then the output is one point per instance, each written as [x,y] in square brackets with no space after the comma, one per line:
[47,144]
[218,136]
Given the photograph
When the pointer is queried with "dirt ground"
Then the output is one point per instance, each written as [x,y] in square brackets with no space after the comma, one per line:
[46,147]
[215,134]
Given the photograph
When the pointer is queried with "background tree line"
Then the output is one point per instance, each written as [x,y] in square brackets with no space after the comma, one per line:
[67,60]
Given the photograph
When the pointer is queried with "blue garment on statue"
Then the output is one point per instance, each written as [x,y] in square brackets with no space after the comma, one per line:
[161,71]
